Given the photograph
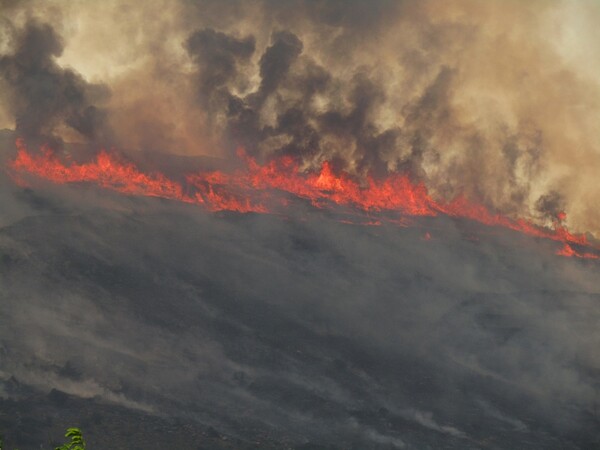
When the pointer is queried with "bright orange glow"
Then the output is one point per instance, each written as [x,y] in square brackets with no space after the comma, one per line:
[109,171]
[267,188]
[106,171]
[567,250]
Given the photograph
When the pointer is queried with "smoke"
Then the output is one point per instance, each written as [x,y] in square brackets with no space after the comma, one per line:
[218,53]
[494,100]
[42,95]
[551,206]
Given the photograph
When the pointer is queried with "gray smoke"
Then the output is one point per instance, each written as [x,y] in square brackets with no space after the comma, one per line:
[482,99]
[44,96]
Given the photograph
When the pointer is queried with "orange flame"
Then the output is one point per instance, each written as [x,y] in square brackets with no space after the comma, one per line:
[567,250]
[256,186]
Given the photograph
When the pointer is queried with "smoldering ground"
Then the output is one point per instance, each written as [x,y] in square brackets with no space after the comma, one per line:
[303,328]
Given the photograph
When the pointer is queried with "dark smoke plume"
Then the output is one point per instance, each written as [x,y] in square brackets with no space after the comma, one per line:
[218,55]
[497,101]
[43,95]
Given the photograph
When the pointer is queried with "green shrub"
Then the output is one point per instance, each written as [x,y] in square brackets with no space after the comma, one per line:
[76,443]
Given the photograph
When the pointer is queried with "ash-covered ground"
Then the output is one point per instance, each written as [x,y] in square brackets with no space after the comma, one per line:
[157,325]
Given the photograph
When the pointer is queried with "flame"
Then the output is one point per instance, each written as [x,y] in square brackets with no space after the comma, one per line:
[106,171]
[109,171]
[567,250]
[264,188]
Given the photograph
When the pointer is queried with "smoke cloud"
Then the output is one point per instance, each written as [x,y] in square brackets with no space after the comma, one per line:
[42,95]
[497,101]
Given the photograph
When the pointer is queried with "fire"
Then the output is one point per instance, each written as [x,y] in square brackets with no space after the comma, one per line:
[567,250]
[107,171]
[265,188]
[396,193]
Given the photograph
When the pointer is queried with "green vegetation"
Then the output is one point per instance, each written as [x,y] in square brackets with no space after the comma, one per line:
[76,442]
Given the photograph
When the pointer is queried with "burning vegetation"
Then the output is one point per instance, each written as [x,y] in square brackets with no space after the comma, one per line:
[266,189]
